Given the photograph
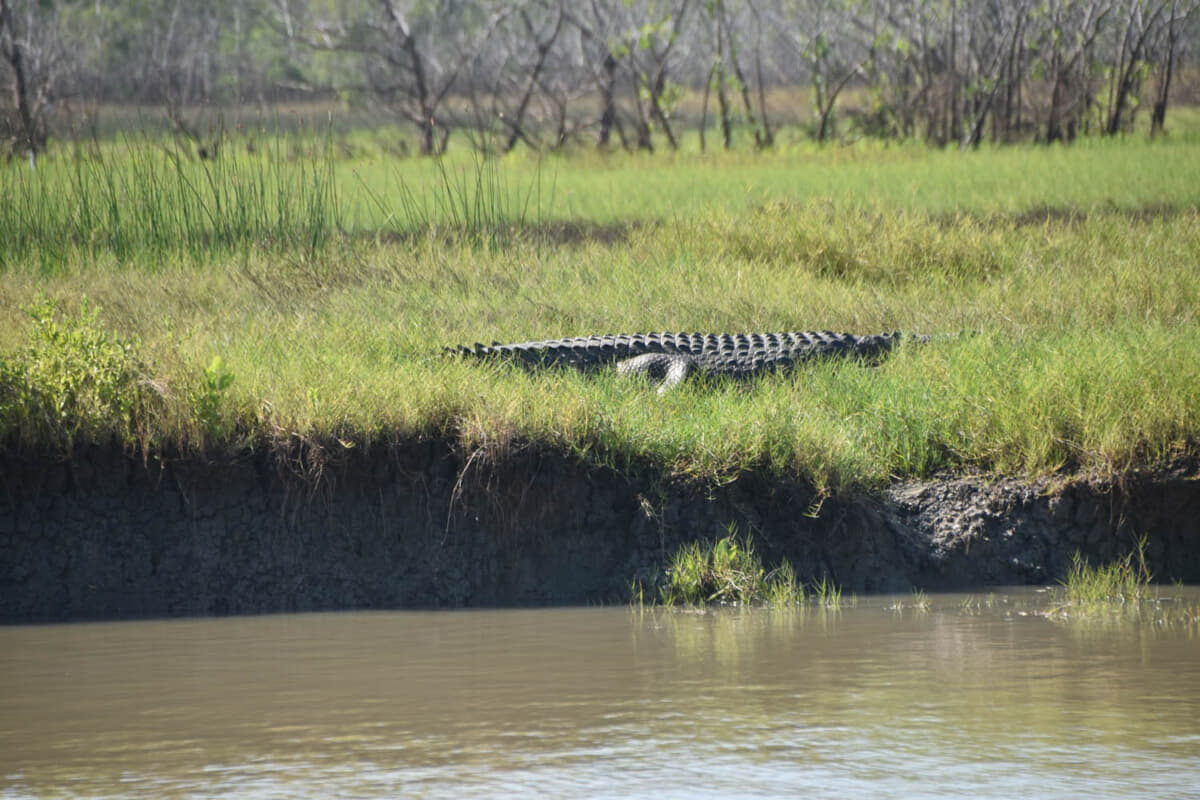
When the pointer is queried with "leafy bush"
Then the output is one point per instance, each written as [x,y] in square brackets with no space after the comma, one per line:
[206,401]
[74,383]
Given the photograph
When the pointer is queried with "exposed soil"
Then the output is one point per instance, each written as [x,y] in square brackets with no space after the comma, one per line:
[421,524]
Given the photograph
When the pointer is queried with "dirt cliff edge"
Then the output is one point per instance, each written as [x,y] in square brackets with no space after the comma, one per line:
[421,524]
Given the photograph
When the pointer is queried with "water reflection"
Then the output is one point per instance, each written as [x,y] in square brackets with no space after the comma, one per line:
[603,702]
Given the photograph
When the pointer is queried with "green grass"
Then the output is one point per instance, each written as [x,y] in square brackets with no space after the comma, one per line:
[1119,592]
[730,572]
[141,203]
[294,293]
[1123,584]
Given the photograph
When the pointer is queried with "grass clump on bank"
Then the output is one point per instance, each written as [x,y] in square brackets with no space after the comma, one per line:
[1119,592]
[1121,589]
[1123,584]
[730,572]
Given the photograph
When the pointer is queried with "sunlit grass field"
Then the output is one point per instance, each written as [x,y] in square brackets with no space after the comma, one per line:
[296,289]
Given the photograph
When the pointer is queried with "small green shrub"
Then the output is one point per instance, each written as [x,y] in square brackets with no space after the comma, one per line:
[74,383]
[206,400]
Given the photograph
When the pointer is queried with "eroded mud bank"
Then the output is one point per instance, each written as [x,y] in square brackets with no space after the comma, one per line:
[420,524]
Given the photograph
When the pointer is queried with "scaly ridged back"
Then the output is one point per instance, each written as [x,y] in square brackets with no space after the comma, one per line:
[712,353]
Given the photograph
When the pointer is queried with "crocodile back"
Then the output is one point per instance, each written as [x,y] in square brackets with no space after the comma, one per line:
[749,353]
[714,353]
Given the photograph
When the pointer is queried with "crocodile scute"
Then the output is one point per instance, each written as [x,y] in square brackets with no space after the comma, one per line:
[672,357]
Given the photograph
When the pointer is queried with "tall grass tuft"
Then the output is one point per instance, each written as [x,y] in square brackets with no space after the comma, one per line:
[143,203]
[729,572]
[1121,593]
[475,204]
[1123,585]
[827,594]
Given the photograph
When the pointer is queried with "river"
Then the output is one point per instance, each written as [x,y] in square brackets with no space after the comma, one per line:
[975,696]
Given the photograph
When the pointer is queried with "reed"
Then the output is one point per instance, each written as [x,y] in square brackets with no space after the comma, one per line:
[141,202]
[1120,593]
[1124,584]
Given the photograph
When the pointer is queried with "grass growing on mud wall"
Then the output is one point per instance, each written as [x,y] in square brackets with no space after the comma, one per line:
[1119,593]
[728,572]
[291,294]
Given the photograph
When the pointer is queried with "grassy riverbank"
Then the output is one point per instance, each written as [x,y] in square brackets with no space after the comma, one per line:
[296,294]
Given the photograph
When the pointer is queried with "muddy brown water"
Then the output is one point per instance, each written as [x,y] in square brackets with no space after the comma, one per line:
[983,700]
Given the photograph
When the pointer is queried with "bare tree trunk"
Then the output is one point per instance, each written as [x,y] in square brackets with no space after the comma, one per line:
[954,112]
[656,109]
[973,135]
[33,138]
[655,79]
[927,96]
[560,135]
[425,121]
[516,129]
[744,90]
[723,106]
[1063,67]
[606,78]
[1158,117]
[722,98]
[735,64]
[1014,73]
[825,107]
[768,137]
[1125,76]
[1054,130]
[644,139]
[608,101]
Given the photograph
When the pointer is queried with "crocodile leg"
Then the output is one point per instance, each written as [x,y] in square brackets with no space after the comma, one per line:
[670,369]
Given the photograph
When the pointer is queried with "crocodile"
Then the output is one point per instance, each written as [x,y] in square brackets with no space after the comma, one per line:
[670,358]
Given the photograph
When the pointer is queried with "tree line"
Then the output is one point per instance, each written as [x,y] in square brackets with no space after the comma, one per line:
[616,73]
